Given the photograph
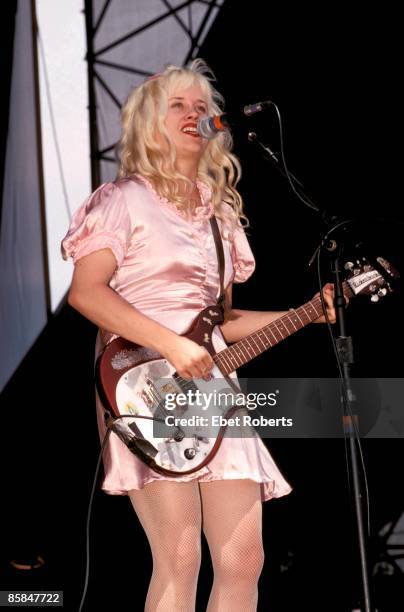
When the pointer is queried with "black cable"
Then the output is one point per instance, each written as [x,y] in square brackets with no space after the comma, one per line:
[347,405]
[303,199]
[90,505]
[87,573]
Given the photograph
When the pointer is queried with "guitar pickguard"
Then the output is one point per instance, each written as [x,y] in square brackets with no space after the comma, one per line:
[142,392]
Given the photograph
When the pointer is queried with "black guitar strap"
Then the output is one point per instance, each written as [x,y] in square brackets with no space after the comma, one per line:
[220,257]
[221,302]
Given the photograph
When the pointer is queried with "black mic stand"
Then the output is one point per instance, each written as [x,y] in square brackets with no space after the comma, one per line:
[344,345]
[334,249]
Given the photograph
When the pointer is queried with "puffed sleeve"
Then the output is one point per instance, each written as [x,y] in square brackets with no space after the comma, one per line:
[101,222]
[241,255]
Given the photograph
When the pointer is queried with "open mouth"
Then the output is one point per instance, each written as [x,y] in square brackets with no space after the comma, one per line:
[190,130]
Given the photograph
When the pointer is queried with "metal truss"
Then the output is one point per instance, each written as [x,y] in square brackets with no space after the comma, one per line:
[95,58]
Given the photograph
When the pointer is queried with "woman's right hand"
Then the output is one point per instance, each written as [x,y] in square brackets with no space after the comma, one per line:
[188,358]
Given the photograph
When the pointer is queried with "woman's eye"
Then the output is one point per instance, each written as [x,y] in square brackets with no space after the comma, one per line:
[201,109]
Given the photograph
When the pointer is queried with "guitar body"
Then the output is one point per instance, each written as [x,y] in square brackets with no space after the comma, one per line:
[133,382]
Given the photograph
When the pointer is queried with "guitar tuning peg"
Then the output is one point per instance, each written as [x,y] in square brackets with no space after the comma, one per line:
[349,265]
[382,292]
[383,262]
[374,298]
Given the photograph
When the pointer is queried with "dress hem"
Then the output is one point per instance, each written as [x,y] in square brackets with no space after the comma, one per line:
[268,487]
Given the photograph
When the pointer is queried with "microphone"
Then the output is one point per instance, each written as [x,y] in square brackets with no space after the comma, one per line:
[251,109]
[210,127]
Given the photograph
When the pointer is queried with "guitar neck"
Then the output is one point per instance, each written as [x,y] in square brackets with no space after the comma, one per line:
[243,351]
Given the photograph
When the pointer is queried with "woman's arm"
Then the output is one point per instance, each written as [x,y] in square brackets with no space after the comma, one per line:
[91,295]
[240,323]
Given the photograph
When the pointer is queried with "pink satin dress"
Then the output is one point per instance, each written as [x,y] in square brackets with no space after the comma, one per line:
[167,268]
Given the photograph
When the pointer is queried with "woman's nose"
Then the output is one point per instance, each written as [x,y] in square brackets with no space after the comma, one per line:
[192,112]
[195,111]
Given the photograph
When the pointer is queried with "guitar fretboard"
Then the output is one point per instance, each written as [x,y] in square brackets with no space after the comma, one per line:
[243,351]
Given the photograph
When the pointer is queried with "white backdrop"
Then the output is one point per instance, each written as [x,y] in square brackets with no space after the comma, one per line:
[161,37]
[22,299]
[64,120]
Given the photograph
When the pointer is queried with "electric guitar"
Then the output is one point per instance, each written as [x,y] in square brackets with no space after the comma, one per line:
[141,391]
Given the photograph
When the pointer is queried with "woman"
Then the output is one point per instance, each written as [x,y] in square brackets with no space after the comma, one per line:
[145,266]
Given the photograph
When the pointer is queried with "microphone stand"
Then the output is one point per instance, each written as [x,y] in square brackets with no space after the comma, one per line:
[334,249]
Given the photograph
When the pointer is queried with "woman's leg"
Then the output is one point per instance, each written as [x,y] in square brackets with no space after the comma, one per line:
[170,513]
[232,523]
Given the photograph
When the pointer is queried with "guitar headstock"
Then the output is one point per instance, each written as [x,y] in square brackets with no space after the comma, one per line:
[370,278]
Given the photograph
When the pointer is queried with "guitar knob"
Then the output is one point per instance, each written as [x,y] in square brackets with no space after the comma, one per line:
[349,265]
[382,292]
[179,435]
[189,453]
[374,298]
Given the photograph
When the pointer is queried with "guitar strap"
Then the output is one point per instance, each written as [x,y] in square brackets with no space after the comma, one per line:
[220,257]
[221,302]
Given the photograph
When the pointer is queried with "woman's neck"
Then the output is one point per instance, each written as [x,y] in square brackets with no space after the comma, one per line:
[193,196]
[188,168]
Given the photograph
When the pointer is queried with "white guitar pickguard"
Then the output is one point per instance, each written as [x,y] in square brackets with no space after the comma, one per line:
[140,391]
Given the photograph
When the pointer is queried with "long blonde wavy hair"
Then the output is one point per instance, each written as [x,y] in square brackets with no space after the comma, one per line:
[140,153]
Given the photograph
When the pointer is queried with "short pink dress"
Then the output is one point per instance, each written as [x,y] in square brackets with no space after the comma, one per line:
[167,268]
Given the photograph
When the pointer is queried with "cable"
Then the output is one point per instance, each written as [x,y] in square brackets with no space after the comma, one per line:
[305,199]
[87,572]
[347,405]
[90,505]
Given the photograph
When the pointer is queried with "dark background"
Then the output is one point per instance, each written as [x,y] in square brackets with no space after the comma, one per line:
[333,72]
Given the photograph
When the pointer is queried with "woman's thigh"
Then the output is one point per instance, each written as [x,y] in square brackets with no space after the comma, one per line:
[232,521]
[170,513]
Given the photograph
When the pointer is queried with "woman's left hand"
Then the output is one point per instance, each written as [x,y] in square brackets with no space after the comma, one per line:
[328,292]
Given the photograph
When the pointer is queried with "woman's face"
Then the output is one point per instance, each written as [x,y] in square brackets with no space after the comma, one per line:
[185,107]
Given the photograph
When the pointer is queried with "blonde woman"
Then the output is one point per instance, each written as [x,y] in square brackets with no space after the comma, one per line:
[145,266]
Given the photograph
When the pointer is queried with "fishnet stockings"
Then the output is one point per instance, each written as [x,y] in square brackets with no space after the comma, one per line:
[172,515]
[232,522]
